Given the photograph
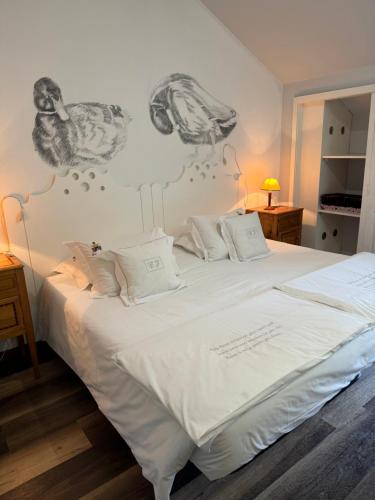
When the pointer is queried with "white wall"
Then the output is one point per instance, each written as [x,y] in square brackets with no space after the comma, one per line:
[358,77]
[115,52]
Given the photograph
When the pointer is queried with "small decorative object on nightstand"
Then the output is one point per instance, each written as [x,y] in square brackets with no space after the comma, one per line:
[270,184]
[281,223]
[15,315]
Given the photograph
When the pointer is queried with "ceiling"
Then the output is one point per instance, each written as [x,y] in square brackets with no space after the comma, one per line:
[302,39]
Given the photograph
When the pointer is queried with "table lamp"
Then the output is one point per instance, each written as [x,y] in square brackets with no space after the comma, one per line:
[270,184]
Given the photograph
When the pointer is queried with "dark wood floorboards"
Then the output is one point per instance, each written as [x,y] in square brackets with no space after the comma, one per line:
[56,444]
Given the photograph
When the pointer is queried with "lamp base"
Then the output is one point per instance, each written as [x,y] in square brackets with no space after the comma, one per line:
[269,206]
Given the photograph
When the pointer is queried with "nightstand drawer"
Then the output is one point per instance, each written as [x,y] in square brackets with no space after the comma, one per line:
[281,223]
[15,314]
[10,316]
[289,221]
[267,225]
[293,236]
[8,283]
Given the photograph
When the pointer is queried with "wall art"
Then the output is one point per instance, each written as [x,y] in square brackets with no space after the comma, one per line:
[180,104]
[76,135]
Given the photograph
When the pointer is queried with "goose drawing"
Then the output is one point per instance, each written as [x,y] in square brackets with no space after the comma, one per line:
[75,135]
[180,104]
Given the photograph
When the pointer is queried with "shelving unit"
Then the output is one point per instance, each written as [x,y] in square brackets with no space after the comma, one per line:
[342,167]
[344,157]
[338,212]
[331,157]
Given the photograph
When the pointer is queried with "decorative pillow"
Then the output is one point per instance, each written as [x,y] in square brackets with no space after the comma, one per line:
[146,271]
[79,258]
[204,237]
[70,268]
[187,242]
[99,266]
[100,271]
[205,232]
[145,237]
[187,261]
[244,237]
[133,240]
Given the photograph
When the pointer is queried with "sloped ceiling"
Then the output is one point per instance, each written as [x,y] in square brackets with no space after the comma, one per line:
[302,39]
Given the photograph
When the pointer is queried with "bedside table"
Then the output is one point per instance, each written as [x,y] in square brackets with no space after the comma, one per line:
[15,315]
[281,224]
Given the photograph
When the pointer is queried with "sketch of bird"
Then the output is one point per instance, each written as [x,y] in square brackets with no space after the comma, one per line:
[179,103]
[76,134]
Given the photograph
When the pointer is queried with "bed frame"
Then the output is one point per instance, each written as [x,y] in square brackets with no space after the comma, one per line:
[91,206]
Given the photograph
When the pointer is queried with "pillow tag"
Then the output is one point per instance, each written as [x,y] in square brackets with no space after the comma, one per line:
[153,264]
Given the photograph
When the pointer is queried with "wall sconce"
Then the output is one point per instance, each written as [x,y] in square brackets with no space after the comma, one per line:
[20,217]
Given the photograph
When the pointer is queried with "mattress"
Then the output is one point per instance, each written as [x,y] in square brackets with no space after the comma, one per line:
[86,333]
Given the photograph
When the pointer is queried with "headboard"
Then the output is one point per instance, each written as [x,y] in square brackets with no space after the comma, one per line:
[91,206]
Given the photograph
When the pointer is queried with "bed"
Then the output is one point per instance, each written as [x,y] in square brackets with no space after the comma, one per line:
[87,333]
[90,205]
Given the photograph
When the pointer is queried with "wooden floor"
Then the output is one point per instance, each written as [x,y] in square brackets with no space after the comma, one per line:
[55,444]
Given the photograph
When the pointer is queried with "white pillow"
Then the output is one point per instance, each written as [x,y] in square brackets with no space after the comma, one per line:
[187,261]
[100,268]
[187,242]
[70,268]
[204,237]
[205,232]
[133,240]
[146,271]
[244,237]
[79,258]
[145,237]
[101,271]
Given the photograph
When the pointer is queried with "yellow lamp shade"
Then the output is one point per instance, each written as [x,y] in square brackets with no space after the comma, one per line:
[270,184]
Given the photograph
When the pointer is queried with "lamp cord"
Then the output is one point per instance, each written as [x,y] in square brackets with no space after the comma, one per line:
[240,173]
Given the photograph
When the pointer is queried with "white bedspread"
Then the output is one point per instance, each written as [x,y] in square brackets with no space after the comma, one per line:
[87,333]
[209,371]
[348,285]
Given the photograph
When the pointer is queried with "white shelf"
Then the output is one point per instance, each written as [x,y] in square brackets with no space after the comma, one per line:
[344,157]
[337,212]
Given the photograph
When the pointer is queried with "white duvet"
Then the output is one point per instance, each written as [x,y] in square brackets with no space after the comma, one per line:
[87,333]
[208,371]
[348,285]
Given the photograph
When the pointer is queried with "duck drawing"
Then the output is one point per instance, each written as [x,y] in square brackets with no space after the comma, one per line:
[74,135]
[179,103]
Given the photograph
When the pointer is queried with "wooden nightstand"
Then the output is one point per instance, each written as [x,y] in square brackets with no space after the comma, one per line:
[15,315]
[281,224]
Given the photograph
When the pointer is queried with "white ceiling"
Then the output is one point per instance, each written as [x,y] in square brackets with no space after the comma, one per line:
[302,39]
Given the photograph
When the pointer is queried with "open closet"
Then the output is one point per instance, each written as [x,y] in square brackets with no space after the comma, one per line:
[332,169]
